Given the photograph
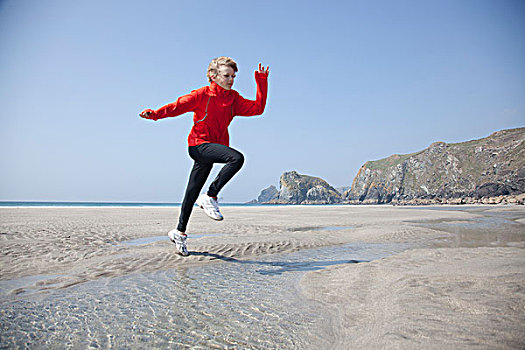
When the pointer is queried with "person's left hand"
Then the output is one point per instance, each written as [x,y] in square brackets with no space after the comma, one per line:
[263,70]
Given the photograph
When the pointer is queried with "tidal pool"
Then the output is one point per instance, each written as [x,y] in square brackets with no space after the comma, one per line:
[237,304]
[231,304]
[489,229]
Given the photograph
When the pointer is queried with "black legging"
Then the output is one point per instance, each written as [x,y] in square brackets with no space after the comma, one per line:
[204,156]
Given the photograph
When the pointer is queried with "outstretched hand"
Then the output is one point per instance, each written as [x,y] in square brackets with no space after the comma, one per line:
[263,70]
[146,114]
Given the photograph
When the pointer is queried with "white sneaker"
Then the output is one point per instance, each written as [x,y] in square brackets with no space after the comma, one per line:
[210,206]
[179,238]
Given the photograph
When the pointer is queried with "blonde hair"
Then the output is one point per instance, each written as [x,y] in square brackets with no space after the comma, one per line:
[213,68]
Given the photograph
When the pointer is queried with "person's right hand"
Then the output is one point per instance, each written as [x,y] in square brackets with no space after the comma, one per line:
[146,114]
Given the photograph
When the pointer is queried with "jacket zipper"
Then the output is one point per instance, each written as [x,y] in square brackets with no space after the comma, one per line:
[205,112]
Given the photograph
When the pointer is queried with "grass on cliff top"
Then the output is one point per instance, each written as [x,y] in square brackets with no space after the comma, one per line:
[467,146]
[391,161]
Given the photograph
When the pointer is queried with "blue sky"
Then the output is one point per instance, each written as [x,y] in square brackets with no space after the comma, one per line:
[350,81]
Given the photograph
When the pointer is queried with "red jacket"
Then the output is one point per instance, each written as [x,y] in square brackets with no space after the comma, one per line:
[213,110]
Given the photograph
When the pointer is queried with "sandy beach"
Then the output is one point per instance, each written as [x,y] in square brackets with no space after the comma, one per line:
[450,288]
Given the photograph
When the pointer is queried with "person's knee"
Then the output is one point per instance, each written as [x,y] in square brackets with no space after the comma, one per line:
[237,159]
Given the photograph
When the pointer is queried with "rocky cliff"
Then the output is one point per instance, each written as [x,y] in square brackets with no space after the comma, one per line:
[466,172]
[268,194]
[300,189]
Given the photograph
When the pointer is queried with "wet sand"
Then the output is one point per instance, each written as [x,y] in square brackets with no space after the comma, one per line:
[441,293]
[81,244]
[470,294]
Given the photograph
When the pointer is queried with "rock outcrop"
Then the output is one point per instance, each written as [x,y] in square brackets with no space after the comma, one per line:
[268,194]
[300,189]
[467,172]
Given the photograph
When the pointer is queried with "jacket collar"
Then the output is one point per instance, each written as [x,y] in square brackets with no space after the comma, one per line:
[216,90]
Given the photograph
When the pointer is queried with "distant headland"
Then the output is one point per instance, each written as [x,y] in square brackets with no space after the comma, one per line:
[490,170]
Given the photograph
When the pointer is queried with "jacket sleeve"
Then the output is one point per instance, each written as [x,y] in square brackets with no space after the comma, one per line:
[184,104]
[244,107]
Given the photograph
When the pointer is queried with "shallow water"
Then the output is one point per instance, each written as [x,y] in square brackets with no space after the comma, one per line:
[241,304]
[21,285]
[490,229]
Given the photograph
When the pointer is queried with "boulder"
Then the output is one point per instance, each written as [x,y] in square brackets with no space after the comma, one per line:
[268,194]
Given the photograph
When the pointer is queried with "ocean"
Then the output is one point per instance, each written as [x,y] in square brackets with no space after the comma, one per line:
[109,204]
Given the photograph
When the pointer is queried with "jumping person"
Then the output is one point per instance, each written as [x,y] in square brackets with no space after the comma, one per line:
[213,108]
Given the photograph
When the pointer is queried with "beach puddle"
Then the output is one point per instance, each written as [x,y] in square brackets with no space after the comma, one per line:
[283,267]
[232,304]
[25,285]
[490,229]
[240,304]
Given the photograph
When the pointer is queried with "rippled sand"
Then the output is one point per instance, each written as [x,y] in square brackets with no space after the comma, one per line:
[468,295]
[80,244]
[458,290]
